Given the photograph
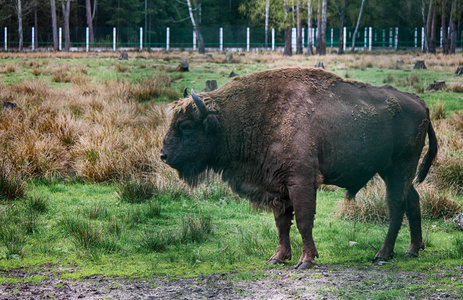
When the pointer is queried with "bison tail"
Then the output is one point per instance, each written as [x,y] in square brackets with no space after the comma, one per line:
[429,157]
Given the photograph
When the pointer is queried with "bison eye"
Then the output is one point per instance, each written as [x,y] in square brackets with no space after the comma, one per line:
[186,126]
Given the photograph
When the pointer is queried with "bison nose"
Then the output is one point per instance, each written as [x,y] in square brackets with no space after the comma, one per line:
[163,156]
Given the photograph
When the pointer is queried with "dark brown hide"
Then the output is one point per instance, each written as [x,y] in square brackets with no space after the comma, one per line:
[276,135]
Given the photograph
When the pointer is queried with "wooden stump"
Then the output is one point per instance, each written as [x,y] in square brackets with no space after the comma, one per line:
[183,66]
[436,85]
[419,64]
[459,71]
[320,65]
[210,86]
[124,56]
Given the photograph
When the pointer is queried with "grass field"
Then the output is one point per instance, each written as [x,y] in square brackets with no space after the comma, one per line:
[82,188]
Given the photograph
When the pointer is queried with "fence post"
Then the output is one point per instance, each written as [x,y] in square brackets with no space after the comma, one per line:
[396,38]
[167,38]
[60,38]
[6,39]
[86,39]
[390,37]
[370,39]
[332,35]
[273,39]
[114,39]
[344,38]
[221,39]
[293,39]
[33,38]
[422,38]
[141,38]
[440,38]
[194,40]
[248,38]
[303,36]
[384,38]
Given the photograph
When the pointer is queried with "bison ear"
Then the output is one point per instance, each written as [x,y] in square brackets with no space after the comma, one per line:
[185,92]
[211,124]
[203,112]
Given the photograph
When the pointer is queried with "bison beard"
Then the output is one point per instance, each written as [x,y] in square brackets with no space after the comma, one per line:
[276,135]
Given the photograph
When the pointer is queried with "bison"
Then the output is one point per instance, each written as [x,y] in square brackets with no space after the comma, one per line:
[276,135]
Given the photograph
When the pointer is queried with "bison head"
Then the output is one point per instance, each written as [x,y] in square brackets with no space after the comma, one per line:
[191,143]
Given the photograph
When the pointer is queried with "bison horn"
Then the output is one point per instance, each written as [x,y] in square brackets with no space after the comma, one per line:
[185,92]
[200,104]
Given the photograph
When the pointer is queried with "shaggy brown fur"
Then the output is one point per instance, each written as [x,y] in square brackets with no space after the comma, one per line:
[276,135]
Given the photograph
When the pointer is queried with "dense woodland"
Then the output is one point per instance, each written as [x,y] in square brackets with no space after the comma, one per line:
[47,15]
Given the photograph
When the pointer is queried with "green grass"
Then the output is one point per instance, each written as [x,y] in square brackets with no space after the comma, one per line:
[132,230]
[88,226]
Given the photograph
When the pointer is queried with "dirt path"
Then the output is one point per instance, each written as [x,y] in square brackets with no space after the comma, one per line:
[323,282]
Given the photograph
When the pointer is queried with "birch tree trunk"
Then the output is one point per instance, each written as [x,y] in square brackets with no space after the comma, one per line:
[199,36]
[20,24]
[341,27]
[323,28]
[267,11]
[54,25]
[357,27]
[88,13]
[66,7]
[299,28]
[309,28]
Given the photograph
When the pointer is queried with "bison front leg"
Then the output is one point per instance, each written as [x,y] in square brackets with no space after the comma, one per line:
[283,221]
[304,198]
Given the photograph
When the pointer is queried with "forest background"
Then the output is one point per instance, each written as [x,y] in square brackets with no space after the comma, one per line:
[154,16]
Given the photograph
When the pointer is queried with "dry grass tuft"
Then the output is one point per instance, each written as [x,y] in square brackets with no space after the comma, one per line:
[369,204]
[438,204]
[8,68]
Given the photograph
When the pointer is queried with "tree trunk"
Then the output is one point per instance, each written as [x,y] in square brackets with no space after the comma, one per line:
[357,27]
[88,13]
[20,24]
[341,27]
[267,12]
[299,46]
[430,29]
[423,16]
[66,10]
[445,46]
[309,28]
[319,25]
[199,36]
[452,28]
[322,48]
[36,40]
[288,47]
[433,31]
[54,25]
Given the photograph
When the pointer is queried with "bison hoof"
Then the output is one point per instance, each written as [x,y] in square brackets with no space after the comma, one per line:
[305,265]
[275,261]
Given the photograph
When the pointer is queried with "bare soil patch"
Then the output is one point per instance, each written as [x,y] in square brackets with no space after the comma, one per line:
[322,282]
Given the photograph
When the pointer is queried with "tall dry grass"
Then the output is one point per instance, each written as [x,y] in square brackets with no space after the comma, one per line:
[98,133]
